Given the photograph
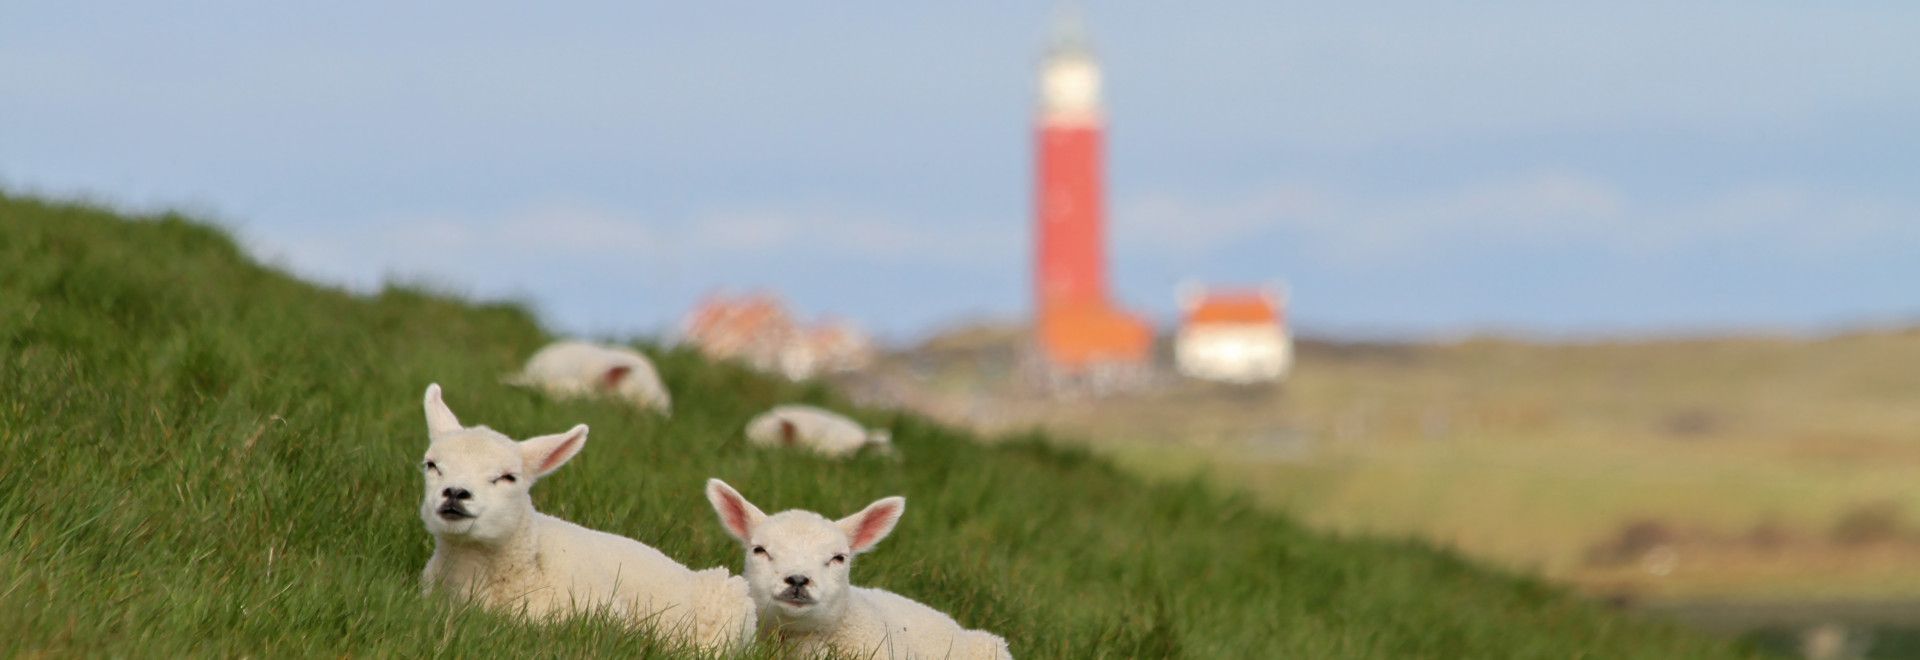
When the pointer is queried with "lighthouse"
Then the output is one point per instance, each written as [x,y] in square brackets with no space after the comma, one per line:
[1078,331]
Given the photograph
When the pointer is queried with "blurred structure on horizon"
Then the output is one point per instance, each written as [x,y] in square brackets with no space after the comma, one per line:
[757,329]
[1081,337]
[1233,335]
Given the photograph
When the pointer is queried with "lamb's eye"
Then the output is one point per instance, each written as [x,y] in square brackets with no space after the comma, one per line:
[509,478]
[433,467]
[758,550]
[838,559]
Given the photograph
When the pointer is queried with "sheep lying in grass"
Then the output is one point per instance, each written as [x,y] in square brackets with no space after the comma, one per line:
[573,368]
[797,565]
[491,546]
[822,431]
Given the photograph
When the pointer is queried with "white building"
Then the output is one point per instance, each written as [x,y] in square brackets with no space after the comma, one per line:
[1235,336]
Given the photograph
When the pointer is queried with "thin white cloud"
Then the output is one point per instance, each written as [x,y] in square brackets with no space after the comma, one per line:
[591,241]
[1170,224]
[852,235]
[1542,209]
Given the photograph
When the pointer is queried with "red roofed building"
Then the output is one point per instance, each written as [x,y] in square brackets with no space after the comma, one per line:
[1236,336]
[749,328]
[757,330]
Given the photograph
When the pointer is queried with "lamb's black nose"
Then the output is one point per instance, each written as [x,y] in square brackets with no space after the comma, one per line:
[797,580]
[457,493]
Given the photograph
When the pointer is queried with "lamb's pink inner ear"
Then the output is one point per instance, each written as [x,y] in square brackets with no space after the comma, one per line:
[788,434]
[560,454]
[875,523]
[547,453]
[614,376]
[734,511]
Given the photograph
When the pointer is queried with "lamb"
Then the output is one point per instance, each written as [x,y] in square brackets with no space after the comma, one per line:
[822,431]
[574,368]
[492,547]
[797,566]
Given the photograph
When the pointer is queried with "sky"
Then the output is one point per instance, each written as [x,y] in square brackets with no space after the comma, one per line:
[1406,169]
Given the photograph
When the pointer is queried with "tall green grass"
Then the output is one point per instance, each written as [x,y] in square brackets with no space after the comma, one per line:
[203,455]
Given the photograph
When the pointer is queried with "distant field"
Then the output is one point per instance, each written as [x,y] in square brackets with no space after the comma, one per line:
[1737,467]
[207,457]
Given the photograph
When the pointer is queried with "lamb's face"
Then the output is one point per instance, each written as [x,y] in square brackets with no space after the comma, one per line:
[796,566]
[477,479]
[797,561]
[476,486]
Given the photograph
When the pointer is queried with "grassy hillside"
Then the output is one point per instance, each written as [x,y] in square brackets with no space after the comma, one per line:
[204,455]
[1775,467]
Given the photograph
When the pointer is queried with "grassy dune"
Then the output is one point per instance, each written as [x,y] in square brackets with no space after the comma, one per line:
[203,455]
[1751,454]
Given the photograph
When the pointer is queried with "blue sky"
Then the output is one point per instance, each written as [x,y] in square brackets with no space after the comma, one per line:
[1409,169]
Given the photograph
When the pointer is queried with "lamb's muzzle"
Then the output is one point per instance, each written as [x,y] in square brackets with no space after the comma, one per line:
[450,508]
[796,591]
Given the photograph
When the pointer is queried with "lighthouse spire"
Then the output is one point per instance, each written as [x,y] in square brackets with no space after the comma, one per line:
[1069,32]
[1069,76]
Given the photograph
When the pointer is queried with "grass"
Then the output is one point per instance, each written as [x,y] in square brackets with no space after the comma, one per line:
[1532,455]
[206,456]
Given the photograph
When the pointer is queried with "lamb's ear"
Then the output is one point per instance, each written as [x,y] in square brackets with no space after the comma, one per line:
[866,528]
[736,514]
[547,453]
[614,375]
[440,418]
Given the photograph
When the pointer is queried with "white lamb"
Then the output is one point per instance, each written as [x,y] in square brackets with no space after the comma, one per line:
[797,564]
[492,547]
[574,368]
[822,431]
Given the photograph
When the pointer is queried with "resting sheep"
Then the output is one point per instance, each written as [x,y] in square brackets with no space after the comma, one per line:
[492,547]
[574,368]
[797,565]
[822,431]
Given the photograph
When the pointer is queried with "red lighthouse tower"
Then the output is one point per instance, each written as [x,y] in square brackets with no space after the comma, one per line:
[1078,330]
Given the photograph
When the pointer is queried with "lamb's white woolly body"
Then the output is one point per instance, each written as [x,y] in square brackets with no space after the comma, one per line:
[574,368]
[490,545]
[797,570]
[822,431]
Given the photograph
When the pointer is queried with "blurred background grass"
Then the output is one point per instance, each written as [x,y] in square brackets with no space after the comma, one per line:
[1749,466]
